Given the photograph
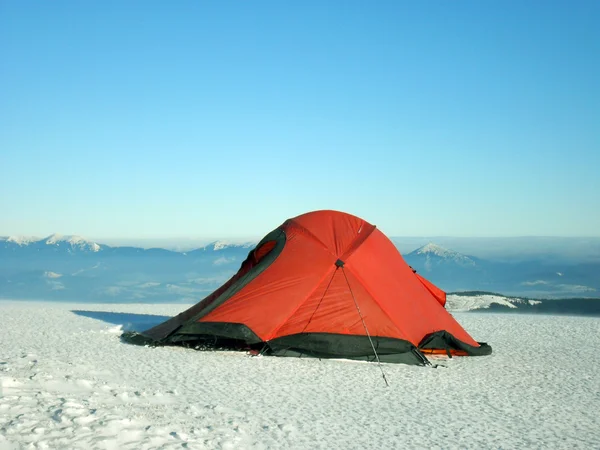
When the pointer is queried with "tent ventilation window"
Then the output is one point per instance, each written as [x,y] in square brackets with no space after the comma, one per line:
[263,250]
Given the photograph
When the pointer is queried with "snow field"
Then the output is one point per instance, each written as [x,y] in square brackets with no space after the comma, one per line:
[67,381]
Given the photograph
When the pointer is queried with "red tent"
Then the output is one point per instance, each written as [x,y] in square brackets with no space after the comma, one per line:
[324,284]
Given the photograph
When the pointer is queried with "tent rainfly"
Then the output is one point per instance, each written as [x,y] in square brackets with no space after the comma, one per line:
[324,284]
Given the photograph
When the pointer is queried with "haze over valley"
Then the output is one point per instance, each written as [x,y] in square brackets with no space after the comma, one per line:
[77,269]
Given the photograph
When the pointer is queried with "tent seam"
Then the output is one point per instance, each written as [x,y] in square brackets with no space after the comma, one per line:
[309,234]
[381,307]
[363,284]
[356,243]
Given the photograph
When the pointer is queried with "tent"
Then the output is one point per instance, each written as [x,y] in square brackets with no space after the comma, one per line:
[324,284]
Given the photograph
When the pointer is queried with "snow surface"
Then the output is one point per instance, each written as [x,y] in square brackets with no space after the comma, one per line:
[69,382]
[470,302]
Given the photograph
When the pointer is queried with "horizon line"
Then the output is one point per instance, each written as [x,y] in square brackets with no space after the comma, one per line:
[211,239]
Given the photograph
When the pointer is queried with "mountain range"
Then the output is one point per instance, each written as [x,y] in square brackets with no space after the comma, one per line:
[541,278]
[74,268]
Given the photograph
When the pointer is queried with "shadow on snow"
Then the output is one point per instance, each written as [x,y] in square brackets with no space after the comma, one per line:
[129,321]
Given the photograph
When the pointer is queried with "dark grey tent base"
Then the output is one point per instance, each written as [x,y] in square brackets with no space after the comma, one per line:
[343,346]
[444,340]
[219,336]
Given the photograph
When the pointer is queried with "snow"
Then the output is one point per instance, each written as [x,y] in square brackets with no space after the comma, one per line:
[470,302]
[223,244]
[74,241]
[436,250]
[483,301]
[69,382]
[55,239]
[432,249]
[21,240]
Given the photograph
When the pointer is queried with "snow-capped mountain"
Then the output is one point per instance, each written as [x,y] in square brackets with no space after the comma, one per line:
[433,253]
[74,268]
[223,244]
[74,242]
[20,240]
[54,242]
[62,267]
[451,270]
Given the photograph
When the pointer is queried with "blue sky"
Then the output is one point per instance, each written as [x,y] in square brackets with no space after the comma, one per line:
[221,119]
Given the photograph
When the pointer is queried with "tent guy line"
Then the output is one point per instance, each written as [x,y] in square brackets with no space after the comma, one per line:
[362,319]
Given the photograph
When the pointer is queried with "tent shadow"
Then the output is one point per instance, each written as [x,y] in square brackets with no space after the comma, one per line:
[129,321]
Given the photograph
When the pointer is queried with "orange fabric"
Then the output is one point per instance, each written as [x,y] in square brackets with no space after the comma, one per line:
[379,266]
[441,351]
[271,298]
[292,294]
[335,231]
[335,312]
[439,295]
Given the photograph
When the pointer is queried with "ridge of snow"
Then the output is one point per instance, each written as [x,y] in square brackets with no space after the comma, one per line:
[432,249]
[437,250]
[74,241]
[471,302]
[457,303]
[21,240]
[223,244]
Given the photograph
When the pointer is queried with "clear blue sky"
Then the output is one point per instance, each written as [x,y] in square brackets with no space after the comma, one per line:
[221,119]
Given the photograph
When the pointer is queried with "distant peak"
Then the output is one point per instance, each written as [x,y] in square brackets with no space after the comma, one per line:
[220,245]
[435,249]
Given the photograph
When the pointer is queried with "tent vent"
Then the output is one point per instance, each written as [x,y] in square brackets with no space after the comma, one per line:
[340,263]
